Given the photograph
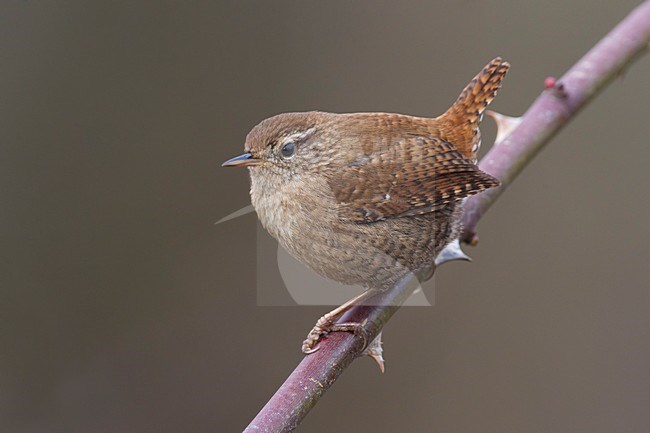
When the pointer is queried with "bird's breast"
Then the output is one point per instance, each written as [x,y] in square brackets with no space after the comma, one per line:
[292,210]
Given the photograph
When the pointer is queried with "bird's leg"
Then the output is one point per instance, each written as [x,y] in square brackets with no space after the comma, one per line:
[327,323]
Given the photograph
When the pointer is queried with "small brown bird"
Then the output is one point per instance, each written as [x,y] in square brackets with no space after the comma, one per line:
[365,198]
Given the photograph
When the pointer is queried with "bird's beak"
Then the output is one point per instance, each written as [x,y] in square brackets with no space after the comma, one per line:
[241,161]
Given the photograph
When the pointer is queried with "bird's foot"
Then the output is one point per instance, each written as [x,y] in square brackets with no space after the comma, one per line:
[326,325]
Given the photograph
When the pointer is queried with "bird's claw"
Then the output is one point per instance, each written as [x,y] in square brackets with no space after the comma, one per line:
[325,325]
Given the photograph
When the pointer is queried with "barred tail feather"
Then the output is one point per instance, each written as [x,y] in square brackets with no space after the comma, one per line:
[463,118]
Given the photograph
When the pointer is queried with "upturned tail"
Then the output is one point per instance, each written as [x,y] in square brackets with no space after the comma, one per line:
[460,124]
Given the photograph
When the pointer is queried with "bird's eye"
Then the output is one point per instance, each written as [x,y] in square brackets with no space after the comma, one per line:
[288,149]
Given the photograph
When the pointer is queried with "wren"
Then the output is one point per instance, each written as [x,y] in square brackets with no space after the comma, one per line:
[365,198]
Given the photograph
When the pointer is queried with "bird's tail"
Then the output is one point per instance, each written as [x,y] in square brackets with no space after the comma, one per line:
[460,123]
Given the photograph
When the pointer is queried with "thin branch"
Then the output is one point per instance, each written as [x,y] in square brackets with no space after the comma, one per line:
[319,370]
[552,110]
[556,106]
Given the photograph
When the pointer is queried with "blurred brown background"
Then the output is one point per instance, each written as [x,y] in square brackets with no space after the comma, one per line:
[125,309]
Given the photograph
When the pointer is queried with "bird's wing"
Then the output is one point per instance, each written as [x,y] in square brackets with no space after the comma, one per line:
[411,176]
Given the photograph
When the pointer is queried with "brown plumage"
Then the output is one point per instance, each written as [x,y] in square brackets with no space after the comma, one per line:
[364,198]
[415,175]
[459,124]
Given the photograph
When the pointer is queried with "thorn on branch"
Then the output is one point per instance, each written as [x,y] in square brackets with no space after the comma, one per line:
[505,124]
[375,351]
[452,251]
